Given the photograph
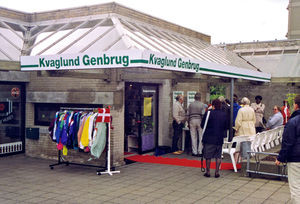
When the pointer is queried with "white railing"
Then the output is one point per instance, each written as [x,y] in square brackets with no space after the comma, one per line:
[10,147]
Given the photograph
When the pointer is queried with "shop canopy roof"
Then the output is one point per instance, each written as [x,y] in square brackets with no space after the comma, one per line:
[280,58]
[113,31]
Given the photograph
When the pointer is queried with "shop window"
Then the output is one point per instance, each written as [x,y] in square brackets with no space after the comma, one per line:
[45,112]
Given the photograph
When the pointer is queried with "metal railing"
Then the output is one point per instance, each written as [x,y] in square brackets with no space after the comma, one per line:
[281,170]
[11,147]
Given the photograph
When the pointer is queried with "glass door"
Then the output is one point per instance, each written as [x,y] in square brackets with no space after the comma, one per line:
[148,118]
[140,117]
[11,119]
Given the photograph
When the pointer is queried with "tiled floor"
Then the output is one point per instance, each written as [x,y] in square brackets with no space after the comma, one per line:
[30,180]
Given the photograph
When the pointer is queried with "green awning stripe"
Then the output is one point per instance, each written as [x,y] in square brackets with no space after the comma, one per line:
[29,66]
[235,74]
[139,61]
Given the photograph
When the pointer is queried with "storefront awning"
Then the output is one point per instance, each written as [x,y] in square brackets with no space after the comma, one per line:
[119,32]
[136,58]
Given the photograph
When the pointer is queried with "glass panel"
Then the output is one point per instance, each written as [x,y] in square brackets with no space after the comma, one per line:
[148,119]
[10,113]
[7,47]
[45,112]
[132,117]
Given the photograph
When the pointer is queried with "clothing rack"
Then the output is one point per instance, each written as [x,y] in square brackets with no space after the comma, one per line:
[60,159]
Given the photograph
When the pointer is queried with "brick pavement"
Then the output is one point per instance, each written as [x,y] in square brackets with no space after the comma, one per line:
[30,180]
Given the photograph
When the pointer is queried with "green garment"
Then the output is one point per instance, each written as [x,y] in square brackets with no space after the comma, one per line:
[99,140]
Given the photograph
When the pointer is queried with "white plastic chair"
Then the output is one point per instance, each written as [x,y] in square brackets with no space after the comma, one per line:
[261,141]
[269,137]
[228,149]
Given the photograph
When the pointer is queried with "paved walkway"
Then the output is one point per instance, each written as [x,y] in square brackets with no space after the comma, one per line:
[30,180]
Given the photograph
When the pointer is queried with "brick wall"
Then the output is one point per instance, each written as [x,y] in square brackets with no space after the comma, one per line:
[272,93]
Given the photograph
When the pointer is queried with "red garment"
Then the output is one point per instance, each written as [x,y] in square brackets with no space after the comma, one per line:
[285,111]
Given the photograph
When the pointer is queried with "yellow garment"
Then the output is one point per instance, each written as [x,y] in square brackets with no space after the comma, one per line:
[85,133]
[65,150]
[245,121]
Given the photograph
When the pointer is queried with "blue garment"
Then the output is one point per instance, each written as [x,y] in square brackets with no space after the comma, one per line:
[290,147]
[216,127]
[236,108]
[59,126]
[64,134]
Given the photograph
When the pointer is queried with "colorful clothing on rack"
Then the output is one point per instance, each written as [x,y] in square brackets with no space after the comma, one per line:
[80,129]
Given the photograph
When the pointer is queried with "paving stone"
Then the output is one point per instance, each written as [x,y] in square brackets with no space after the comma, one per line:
[138,183]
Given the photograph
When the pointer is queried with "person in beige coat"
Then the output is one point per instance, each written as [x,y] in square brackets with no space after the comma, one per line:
[244,124]
[245,119]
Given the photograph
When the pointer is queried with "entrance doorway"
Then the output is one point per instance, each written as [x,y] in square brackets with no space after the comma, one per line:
[141,117]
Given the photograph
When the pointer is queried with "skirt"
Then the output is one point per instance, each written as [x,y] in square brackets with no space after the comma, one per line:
[212,151]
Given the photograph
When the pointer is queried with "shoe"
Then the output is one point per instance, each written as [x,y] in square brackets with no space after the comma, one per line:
[217,175]
[180,152]
[175,152]
[195,155]
[206,175]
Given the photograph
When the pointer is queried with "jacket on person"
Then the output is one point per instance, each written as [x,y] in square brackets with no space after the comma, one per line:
[259,110]
[216,126]
[196,110]
[290,148]
[275,120]
[178,113]
[245,121]
[236,108]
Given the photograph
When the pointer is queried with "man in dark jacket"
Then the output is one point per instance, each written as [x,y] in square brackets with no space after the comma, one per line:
[290,151]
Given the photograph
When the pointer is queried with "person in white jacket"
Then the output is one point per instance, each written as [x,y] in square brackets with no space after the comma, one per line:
[244,124]
[245,119]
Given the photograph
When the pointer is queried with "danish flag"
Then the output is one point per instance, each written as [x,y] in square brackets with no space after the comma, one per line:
[103,115]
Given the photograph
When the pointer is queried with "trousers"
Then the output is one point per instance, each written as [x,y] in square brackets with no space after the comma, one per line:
[177,134]
[196,136]
[294,181]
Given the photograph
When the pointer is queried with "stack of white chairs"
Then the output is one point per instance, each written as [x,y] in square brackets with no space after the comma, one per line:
[267,139]
[259,143]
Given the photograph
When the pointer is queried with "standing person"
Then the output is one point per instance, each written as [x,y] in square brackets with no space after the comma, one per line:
[259,110]
[195,113]
[245,119]
[276,119]
[213,136]
[225,107]
[178,123]
[290,151]
[285,111]
[244,124]
[236,108]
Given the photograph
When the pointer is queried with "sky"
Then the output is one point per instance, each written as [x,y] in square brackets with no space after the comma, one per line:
[226,21]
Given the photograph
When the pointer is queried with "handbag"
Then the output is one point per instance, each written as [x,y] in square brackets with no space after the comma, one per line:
[203,130]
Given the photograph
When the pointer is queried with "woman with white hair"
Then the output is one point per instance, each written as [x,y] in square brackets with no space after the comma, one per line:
[245,119]
[244,123]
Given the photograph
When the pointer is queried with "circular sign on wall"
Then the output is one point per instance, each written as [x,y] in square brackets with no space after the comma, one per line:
[15,92]
[2,106]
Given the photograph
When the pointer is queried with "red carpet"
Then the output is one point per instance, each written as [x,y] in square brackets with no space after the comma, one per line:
[178,162]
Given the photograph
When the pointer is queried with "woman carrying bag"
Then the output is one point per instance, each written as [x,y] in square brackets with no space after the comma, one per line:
[213,136]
